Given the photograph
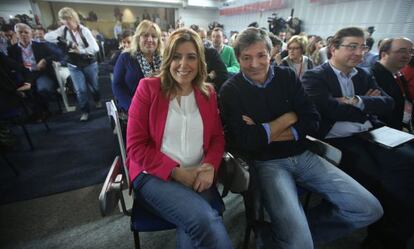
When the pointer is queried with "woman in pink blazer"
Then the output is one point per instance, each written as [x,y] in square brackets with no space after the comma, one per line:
[175,143]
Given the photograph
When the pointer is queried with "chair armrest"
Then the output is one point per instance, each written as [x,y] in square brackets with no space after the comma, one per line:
[111,192]
[324,150]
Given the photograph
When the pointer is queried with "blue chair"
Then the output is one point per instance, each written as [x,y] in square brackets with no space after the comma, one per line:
[117,184]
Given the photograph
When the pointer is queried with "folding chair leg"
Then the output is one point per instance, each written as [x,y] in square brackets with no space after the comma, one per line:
[136,240]
[29,140]
[247,236]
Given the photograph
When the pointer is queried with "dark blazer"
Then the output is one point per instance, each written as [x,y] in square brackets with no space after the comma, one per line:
[283,94]
[8,94]
[41,51]
[322,85]
[214,63]
[387,82]
[127,74]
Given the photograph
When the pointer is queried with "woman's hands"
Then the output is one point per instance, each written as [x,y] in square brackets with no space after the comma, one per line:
[198,178]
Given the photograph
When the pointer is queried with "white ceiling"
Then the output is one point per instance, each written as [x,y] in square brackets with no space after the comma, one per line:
[150,3]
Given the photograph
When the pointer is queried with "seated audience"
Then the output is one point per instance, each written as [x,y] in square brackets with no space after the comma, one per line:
[39,34]
[296,59]
[275,53]
[11,86]
[349,101]
[324,51]
[141,60]
[175,143]
[124,44]
[216,69]
[313,50]
[37,57]
[408,72]
[394,55]
[10,35]
[370,57]
[268,115]
[226,52]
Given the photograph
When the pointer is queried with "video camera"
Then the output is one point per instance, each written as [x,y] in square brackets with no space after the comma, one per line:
[276,24]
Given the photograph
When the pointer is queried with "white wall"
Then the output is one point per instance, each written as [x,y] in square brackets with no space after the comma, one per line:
[200,16]
[391,18]
[15,7]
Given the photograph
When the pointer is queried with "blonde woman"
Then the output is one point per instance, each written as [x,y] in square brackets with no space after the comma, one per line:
[175,143]
[141,60]
[81,48]
[296,59]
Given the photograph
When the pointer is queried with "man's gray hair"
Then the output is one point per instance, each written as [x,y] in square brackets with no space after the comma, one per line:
[21,25]
[250,36]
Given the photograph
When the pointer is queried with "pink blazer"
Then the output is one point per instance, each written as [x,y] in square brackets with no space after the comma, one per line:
[146,122]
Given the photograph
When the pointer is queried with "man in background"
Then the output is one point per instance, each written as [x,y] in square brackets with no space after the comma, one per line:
[226,52]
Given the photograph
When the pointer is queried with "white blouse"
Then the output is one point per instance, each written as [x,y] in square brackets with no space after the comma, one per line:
[183,132]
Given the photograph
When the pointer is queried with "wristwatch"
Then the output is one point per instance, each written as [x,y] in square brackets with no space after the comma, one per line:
[351,100]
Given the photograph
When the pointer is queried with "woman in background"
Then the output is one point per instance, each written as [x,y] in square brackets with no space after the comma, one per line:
[141,60]
[81,53]
[296,59]
[175,143]
[313,50]
[124,44]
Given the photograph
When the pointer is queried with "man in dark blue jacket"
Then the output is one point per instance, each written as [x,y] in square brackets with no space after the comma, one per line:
[267,116]
[37,57]
[349,101]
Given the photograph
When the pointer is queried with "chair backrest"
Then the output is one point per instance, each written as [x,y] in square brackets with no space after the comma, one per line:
[233,174]
[109,196]
[325,150]
[113,112]
[62,73]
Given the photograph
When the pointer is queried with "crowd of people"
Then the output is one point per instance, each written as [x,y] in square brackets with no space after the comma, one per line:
[179,89]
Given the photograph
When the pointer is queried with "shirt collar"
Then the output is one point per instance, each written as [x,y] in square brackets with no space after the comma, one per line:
[339,73]
[270,76]
[28,46]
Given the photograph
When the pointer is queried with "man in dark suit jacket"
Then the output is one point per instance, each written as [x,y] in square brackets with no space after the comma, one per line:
[37,58]
[216,69]
[349,100]
[395,54]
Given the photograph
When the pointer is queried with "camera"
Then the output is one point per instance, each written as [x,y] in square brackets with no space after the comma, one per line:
[276,24]
[65,43]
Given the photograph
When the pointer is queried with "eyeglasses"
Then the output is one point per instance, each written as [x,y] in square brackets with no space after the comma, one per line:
[353,47]
[294,48]
[403,51]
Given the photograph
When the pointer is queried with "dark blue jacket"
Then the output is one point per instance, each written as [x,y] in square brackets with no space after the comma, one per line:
[322,85]
[283,94]
[127,74]
[41,51]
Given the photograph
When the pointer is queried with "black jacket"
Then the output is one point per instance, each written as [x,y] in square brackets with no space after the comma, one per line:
[322,85]
[387,82]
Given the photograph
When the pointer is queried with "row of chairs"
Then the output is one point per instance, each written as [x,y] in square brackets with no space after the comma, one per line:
[234,175]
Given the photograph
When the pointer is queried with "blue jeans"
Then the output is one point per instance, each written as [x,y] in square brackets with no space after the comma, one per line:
[198,224]
[45,86]
[346,205]
[83,78]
